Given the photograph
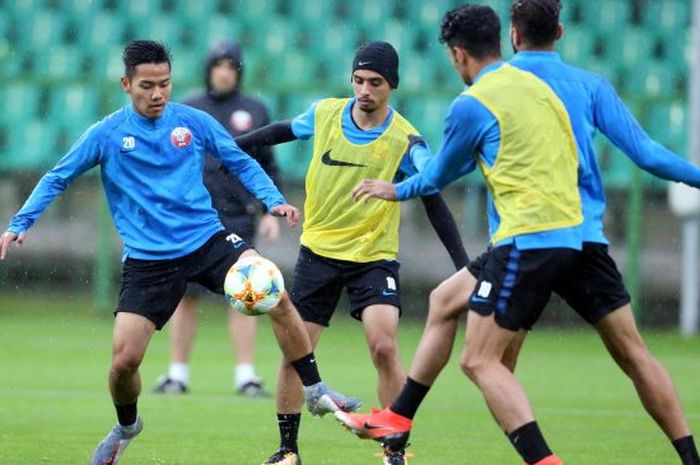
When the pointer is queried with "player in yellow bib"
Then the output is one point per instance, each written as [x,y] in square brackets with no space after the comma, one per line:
[512,127]
[349,245]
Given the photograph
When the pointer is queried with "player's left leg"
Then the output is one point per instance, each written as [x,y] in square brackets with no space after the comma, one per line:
[512,290]
[504,395]
[381,323]
[295,345]
[651,380]
[597,292]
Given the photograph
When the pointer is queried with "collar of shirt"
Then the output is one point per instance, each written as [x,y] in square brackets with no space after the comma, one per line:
[487,69]
[360,136]
[537,55]
[149,123]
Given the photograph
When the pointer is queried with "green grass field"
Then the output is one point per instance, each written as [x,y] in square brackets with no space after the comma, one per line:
[54,403]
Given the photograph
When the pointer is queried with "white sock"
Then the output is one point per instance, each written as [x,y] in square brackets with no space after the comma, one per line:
[179,372]
[245,372]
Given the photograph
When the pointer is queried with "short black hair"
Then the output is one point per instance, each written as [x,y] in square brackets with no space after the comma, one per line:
[537,21]
[476,28]
[138,52]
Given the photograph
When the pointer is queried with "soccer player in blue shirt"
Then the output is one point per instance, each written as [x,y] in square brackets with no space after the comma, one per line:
[151,156]
[600,296]
[513,127]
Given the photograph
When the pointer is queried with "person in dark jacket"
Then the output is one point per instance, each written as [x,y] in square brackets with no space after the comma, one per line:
[238,210]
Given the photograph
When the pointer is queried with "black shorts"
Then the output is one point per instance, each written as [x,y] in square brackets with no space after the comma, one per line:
[244,227]
[153,288]
[596,288]
[319,281]
[517,284]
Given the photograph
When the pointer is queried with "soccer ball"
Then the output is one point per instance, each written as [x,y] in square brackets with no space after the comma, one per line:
[254,285]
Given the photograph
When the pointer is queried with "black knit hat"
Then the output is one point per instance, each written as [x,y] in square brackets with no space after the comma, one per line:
[379,57]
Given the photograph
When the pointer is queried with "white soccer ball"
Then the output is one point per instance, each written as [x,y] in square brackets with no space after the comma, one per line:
[254,285]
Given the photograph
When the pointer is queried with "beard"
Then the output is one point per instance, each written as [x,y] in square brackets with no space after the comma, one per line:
[368,107]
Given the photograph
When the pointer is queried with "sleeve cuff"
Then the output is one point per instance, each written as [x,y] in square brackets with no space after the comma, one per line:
[402,191]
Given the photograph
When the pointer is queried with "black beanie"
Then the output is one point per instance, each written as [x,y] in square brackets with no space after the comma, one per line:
[379,57]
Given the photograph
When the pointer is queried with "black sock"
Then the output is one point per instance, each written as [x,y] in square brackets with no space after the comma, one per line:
[687,451]
[530,443]
[410,398]
[307,370]
[288,424]
[126,414]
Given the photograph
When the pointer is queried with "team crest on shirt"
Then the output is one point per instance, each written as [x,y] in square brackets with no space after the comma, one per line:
[241,121]
[181,137]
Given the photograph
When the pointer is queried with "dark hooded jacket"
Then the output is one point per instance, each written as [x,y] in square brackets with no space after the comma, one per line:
[239,114]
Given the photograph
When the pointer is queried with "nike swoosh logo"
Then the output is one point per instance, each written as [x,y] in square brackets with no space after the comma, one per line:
[368,426]
[479,300]
[327,160]
[363,63]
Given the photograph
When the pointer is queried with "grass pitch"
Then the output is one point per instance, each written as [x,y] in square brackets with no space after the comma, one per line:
[55,407]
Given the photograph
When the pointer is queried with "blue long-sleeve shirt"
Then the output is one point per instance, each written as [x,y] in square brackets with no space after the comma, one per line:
[593,105]
[152,173]
[472,131]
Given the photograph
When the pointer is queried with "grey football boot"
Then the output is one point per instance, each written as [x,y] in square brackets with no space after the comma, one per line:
[112,446]
[321,399]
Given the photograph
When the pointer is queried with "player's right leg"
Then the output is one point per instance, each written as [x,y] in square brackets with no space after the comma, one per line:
[150,292]
[183,327]
[316,290]
[132,333]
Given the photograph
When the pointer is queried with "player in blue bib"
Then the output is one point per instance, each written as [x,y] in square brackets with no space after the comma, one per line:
[151,156]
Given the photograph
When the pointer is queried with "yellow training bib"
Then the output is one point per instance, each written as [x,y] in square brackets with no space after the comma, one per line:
[534,180]
[335,226]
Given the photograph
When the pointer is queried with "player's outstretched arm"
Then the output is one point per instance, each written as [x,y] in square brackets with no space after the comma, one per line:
[84,154]
[618,124]
[7,238]
[445,226]
[272,134]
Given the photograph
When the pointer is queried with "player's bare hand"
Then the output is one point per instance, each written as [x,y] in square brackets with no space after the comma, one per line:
[369,188]
[291,212]
[269,228]
[8,237]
